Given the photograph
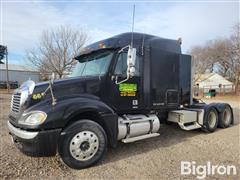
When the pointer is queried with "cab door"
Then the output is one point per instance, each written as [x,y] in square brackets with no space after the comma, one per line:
[127,96]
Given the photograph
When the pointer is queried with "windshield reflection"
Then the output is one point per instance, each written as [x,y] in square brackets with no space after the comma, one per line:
[95,64]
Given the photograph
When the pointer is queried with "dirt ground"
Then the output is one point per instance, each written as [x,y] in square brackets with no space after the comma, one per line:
[156,158]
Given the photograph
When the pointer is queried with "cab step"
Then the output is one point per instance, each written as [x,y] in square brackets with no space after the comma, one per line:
[186,127]
[187,119]
[133,139]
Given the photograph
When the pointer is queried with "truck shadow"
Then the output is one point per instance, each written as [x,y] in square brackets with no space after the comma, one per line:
[169,136]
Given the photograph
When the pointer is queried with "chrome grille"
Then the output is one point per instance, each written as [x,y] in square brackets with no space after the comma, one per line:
[16,100]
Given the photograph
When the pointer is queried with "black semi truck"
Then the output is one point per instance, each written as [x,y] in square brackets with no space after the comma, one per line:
[120,90]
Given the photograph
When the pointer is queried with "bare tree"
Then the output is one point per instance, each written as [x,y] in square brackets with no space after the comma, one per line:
[227,55]
[202,61]
[235,55]
[220,55]
[219,52]
[56,50]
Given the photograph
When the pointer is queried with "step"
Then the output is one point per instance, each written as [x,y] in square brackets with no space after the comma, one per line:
[133,139]
[189,127]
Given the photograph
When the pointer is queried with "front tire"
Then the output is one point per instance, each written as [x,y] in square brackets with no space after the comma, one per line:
[83,145]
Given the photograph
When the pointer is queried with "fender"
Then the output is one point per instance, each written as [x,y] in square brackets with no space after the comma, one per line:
[61,114]
[218,106]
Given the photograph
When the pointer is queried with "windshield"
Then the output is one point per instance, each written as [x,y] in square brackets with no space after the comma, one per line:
[95,64]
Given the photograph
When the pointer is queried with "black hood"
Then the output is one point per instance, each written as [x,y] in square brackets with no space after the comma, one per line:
[42,86]
[71,86]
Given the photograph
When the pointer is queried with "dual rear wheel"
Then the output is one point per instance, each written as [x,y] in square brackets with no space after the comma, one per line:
[213,119]
[226,117]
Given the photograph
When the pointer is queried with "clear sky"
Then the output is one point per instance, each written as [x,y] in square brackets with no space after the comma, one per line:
[22,22]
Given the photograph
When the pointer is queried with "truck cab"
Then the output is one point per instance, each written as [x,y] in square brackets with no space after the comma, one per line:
[120,90]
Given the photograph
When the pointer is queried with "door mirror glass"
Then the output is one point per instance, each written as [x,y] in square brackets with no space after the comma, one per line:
[131,60]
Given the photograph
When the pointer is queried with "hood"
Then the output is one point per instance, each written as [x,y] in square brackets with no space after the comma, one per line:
[70,87]
[42,86]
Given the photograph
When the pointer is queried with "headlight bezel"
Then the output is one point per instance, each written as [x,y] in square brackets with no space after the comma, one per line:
[33,118]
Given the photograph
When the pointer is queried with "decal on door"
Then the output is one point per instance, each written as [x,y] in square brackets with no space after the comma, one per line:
[126,89]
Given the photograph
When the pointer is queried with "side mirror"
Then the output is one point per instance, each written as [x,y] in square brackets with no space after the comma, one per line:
[131,59]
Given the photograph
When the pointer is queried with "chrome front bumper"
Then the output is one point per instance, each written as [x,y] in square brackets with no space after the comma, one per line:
[21,133]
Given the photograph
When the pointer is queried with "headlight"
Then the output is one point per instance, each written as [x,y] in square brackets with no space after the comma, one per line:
[33,118]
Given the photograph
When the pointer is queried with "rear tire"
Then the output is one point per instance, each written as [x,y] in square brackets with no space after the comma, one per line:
[210,120]
[226,117]
[83,145]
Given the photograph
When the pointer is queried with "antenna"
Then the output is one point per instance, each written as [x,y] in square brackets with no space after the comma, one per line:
[133,24]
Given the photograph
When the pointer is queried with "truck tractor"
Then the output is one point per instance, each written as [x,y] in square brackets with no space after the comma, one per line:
[120,90]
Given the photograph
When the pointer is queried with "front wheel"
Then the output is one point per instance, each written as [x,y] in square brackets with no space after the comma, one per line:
[83,145]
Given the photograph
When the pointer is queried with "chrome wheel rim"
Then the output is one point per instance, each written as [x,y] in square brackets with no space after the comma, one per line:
[84,145]
[212,119]
[227,116]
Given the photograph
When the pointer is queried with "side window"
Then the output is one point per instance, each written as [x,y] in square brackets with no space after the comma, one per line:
[121,66]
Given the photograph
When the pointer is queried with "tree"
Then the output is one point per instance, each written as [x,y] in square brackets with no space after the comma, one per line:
[3,51]
[235,56]
[202,61]
[221,56]
[227,55]
[56,50]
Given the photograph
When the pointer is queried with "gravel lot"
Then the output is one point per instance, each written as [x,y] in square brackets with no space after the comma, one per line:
[156,158]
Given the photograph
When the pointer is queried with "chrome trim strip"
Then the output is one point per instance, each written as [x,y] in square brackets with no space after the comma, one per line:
[21,133]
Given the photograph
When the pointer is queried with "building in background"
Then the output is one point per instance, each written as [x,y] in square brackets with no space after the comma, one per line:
[213,81]
[18,74]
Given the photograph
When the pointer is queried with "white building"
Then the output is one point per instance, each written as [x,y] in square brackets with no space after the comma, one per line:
[18,73]
[213,81]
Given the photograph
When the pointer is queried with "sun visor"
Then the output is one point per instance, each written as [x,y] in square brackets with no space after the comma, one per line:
[111,43]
